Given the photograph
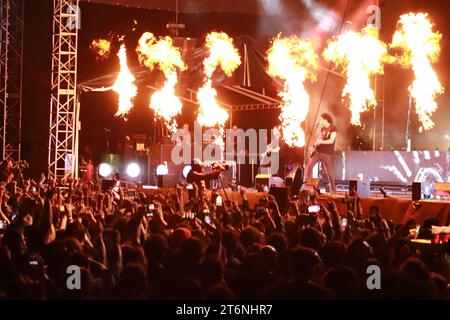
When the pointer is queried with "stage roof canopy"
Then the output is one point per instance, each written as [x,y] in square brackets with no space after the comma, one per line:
[203,6]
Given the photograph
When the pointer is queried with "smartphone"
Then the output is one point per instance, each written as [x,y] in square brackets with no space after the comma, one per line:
[33,189]
[33,263]
[190,187]
[151,206]
[2,224]
[219,201]
[149,214]
[344,222]
[314,209]
[208,219]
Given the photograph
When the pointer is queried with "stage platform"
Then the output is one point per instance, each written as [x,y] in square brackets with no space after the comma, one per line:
[399,210]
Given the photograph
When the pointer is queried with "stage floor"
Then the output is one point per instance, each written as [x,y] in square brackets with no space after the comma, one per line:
[399,210]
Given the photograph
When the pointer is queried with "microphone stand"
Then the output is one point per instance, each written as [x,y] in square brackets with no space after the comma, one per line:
[305,152]
[107,140]
[223,188]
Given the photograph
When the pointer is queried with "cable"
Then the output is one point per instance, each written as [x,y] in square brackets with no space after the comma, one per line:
[324,87]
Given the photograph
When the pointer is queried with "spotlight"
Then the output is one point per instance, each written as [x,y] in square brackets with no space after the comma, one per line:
[162,170]
[186,170]
[105,170]
[133,170]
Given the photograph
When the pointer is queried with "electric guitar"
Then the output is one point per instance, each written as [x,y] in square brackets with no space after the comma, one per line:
[313,149]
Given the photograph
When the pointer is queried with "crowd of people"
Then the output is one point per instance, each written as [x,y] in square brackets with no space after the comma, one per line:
[187,245]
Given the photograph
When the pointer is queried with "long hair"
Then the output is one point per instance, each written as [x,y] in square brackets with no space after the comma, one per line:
[327,117]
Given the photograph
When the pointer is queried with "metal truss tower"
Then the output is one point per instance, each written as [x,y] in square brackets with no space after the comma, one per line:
[63,138]
[11,66]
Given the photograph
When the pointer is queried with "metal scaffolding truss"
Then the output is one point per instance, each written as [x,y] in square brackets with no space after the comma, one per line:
[11,63]
[63,138]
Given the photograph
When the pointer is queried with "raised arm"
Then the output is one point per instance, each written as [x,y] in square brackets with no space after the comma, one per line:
[46,226]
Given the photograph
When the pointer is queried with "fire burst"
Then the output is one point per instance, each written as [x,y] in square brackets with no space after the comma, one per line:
[421,47]
[360,55]
[101,48]
[161,52]
[124,85]
[221,53]
[294,61]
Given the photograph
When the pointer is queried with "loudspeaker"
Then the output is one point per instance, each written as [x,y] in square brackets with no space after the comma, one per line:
[297,182]
[167,181]
[416,191]
[362,187]
[262,179]
[281,195]
[276,182]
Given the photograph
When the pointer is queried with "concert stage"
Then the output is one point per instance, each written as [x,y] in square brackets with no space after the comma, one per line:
[399,210]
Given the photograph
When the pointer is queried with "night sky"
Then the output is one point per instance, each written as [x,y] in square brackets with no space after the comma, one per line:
[97,111]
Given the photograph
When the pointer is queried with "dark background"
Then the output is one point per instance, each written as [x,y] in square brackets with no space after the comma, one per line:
[97,109]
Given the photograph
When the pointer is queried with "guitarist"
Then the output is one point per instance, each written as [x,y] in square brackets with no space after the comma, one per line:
[323,149]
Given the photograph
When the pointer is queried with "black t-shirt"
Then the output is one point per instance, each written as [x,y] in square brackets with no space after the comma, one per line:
[325,134]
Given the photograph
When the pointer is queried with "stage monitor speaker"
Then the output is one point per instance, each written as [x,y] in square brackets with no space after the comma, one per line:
[281,195]
[245,174]
[262,179]
[311,185]
[362,187]
[167,181]
[416,191]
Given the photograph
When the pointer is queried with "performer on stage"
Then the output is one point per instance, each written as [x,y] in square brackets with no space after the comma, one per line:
[198,176]
[323,149]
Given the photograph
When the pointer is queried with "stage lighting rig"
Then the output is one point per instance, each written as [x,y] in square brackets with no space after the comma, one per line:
[105,170]
[133,170]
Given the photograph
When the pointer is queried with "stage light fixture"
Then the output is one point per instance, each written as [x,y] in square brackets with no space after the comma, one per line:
[133,170]
[105,170]
[162,170]
[186,170]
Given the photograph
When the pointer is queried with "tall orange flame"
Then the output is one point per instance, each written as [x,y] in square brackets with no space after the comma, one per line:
[421,48]
[153,52]
[294,61]
[360,55]
[221,53]
[124,85]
